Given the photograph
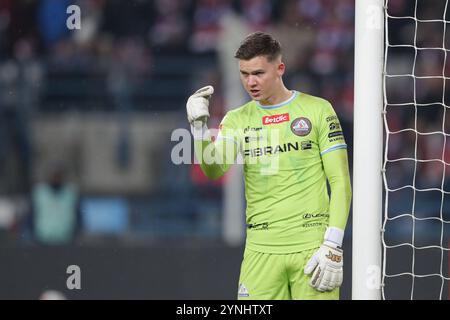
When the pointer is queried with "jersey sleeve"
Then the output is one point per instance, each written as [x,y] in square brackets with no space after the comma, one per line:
[228,131]
[337,171]
[331,136]
[216,157]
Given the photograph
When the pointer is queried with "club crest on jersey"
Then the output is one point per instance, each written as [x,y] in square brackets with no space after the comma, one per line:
[277,118]
[301,126]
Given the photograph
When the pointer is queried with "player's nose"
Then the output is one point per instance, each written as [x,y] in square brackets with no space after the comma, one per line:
[251,81]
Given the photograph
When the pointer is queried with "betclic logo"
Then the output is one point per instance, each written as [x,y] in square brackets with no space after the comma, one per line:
[277,118]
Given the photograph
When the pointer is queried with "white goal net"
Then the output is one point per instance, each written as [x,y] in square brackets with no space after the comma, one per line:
[416,166]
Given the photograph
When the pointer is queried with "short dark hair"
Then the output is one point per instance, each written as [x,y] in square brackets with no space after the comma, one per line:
[258,44]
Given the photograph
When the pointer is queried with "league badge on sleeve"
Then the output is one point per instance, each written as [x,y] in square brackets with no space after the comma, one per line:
[301,126]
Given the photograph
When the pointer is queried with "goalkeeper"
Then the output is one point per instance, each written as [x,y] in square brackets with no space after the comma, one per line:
[291,144]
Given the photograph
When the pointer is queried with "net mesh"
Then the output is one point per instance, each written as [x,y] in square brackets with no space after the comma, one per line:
[416,173]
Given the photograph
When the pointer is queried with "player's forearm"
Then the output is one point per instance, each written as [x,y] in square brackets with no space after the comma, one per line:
[213,158]
[337,171]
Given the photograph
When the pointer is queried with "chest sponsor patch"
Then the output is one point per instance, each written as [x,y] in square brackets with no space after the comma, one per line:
[277,118]
[301,126]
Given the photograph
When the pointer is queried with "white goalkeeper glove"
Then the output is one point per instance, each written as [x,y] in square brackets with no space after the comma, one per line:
[198,113]
[326,263]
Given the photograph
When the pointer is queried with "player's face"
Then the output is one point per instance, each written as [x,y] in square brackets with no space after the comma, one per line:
[261,78]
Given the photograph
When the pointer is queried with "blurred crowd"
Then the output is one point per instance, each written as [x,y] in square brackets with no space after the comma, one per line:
[317,36]
[132,56]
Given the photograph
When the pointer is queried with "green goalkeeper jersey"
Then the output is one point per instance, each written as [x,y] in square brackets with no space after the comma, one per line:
[281,147]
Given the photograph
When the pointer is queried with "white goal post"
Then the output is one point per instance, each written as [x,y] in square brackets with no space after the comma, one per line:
[367,150]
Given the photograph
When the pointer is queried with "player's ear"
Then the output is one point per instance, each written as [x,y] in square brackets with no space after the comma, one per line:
[281,68]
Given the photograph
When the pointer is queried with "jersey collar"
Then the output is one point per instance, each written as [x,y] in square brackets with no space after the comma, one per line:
[295,94]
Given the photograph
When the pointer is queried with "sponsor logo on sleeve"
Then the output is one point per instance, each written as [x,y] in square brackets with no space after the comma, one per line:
[335,126]
[335,134]
[331,118]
